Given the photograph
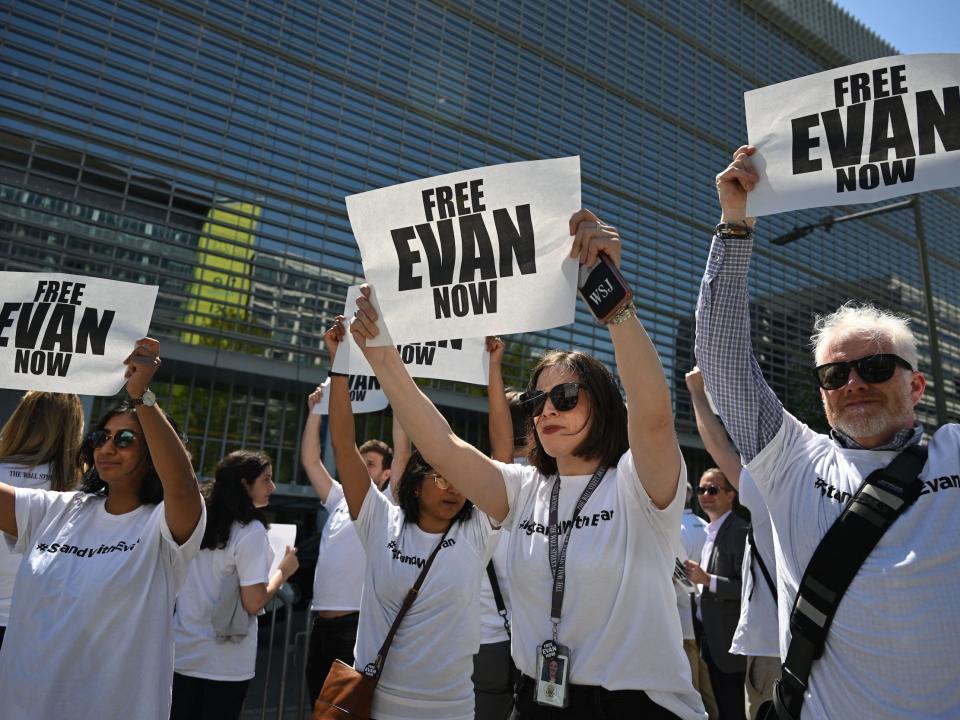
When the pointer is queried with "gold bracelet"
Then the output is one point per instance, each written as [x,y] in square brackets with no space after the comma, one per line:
[626,311]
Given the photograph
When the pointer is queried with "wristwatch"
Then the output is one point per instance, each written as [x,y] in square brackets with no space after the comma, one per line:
[149,399]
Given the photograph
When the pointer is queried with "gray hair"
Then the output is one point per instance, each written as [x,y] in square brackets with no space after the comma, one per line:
[852,317]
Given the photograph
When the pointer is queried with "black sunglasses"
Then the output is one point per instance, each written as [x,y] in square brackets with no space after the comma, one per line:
[873,369]
[122,439]
[563,397]
[710,490]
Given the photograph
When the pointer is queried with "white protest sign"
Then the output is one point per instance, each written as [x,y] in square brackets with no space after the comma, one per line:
[69,333]
[280,537]
[473,253]
[861,133]
[365,396]
[461,360]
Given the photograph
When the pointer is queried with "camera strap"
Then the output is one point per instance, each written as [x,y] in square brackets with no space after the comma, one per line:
[558,555]
[883,497]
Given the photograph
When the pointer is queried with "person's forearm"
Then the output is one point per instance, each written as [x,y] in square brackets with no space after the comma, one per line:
[498,417]
[8,510]
[317,473]
[749,409]
[354,478]
[715,439]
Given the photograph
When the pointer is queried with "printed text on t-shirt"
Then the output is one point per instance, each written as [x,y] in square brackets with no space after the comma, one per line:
[935,485]
[397,553]
[66,549]
[581,521]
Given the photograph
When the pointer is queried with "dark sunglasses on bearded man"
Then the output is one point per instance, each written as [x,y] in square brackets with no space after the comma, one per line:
[873,369]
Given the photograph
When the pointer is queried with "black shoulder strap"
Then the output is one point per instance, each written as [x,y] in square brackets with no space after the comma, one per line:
[498,596]
[756,558]
[883,497]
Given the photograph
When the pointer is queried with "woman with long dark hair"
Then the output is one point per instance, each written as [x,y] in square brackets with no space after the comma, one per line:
[426,675]
[215,625]
[39,448]
[593,519]
[93,607]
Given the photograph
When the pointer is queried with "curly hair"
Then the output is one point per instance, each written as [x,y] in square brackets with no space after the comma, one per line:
[151,489]
[228,499]
[411,480]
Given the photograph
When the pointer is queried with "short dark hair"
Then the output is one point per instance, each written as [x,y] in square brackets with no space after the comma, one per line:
[413,474]
[227,497]
[606,438]
[151,489]
[727,485]
[382,449]
[519,418]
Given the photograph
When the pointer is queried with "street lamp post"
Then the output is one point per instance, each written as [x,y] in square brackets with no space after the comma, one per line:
[829,221]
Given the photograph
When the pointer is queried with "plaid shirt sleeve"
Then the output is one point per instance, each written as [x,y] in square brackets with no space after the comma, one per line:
[748,407]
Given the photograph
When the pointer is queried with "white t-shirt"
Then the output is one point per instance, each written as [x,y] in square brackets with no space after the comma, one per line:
[693,534]
[338,579]
[246,557]
[26,477]
[894,646]
[619,615]
[758,631]
[427,672]
[492,629]
[91,627]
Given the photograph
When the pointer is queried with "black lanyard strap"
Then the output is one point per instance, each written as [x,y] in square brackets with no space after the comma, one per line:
[558,555]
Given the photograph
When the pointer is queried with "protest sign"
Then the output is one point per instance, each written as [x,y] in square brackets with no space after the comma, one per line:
[280,537]
[69,333]
[463,360]
[473,253]
[365,396]
[861,133]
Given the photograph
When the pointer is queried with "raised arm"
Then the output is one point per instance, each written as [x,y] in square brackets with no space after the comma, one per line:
[343,434]
[310,449]
[254,598]
[498,413]
[401,455]
[181,494]
[469,470]
[749,409]
[711,430]
[8,512]
[653,439]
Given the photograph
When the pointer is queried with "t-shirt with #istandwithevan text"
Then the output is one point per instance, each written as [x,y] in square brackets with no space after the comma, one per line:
[427,671]
[619,615]
[91,625]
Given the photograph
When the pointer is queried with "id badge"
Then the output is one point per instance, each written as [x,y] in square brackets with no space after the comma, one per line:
[553,671]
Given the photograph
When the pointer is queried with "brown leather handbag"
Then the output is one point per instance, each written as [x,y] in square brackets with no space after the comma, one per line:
[347,694]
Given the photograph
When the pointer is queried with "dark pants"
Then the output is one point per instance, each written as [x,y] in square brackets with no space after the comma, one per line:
[727,688]
[493,681]
[589,701]
[201,699]
[3,631]
[330,639]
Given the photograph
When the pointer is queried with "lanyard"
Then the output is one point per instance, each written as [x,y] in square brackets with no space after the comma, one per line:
[558,555]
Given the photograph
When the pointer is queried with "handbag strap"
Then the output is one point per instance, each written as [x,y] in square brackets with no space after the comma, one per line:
[498,596]
[374,669]
[755,558]
[882,498]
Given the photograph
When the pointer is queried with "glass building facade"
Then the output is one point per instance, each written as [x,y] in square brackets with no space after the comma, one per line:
[207,146]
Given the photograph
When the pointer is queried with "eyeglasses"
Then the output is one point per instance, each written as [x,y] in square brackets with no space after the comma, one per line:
[121,439]
[710,490]
[440,481]
[873,369]
[564,397]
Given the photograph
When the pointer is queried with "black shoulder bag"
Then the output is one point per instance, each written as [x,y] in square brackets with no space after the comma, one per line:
[883,497]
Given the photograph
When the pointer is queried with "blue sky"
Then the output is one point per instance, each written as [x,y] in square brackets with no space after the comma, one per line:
[917,26]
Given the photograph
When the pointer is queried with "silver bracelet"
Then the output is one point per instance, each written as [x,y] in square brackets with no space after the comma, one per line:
[626,311]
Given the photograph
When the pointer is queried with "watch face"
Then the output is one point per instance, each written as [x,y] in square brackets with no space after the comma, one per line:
[149,398]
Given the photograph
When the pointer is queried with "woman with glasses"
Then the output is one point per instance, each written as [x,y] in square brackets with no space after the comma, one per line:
[426,675]
[228,583]
[593,519]
[39,448]
[93,607]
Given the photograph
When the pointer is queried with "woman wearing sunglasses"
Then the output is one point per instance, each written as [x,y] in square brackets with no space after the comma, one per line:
[39,446]
[598,592]
[92,613]
[426,675]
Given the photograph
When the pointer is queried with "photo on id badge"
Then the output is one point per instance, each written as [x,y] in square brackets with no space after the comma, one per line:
[552,676]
